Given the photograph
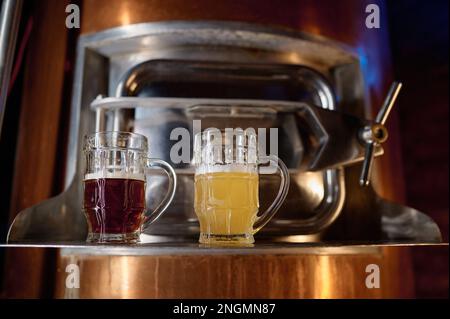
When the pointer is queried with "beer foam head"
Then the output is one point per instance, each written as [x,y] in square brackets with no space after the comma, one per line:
[114,174]
[214,146]
[227,168]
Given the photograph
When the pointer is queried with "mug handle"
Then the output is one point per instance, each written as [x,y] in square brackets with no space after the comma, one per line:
[265,217]
[152,163]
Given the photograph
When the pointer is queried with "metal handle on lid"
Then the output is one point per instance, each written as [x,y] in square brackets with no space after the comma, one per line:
[377,133]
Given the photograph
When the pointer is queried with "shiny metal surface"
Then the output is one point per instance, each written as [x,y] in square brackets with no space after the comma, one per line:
[324,190]
[57,219]
[159,246]
[9,26]
[202,72]
[335,148]
[400,224]
[378,133]
[388,103]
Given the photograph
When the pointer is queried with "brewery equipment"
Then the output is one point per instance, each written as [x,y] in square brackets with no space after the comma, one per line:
[162,78]
[153,78]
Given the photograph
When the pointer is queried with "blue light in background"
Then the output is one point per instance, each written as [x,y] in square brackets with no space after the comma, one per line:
[370,70]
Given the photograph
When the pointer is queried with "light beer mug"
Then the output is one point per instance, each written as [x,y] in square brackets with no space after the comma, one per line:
[226,186]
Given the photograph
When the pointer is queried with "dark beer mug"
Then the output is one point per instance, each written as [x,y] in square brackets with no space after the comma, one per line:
[114,186]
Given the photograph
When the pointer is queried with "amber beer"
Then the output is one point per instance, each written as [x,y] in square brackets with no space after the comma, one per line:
[226,203]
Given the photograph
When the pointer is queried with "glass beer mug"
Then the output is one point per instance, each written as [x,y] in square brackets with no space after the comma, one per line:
[226,186]
[114,186]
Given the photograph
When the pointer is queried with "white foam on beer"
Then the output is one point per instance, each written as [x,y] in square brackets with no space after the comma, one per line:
[228,168]
[119,174]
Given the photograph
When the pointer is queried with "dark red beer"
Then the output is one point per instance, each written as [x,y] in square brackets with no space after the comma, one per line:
[114,205]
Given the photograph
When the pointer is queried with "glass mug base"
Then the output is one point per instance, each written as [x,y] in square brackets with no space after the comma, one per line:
[104,238]
[227,240]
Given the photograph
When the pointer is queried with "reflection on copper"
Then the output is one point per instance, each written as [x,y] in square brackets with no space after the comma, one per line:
[124,15]
[124,277]
[311,18]
[299,238]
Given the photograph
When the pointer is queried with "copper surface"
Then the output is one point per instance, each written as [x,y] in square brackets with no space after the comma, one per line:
[234,276]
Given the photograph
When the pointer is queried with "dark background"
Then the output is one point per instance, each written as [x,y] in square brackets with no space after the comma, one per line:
[419,44]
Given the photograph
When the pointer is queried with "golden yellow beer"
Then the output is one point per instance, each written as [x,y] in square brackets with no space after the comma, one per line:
[226,186]
[226,203]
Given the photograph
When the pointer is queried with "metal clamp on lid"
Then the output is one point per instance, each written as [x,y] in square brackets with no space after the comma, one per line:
[376,133]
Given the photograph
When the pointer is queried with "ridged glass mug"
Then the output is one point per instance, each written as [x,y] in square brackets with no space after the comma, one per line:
[227,185]
[114,186]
